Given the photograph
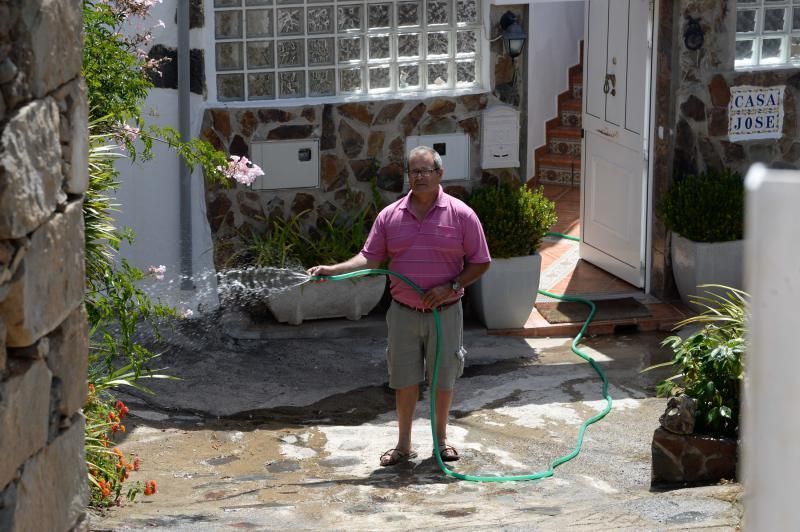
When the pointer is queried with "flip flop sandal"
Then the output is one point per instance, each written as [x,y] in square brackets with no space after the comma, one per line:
[448,453]
[395,456]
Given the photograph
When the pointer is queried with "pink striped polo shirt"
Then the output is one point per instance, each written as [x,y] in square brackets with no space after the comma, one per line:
[430,252]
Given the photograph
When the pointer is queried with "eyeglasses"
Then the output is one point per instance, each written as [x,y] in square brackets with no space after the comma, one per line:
[425,172]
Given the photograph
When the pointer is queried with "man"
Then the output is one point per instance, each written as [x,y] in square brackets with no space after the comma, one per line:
[436,241]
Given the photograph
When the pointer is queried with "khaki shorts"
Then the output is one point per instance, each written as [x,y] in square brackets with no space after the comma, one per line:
[411,352]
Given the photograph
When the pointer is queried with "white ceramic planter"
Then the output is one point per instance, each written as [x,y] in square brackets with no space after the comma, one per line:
[503,298]
[333,299]
[697,263]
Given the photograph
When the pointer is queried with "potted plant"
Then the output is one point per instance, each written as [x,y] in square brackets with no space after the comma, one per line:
[270,263]
[514,219]
[710,370]
[705,214]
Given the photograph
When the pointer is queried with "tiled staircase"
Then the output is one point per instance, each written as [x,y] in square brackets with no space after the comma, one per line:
[559,161]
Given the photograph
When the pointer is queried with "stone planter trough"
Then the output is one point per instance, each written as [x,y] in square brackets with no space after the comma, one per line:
[350,299]
[503,298]
[682,460]
[697,263]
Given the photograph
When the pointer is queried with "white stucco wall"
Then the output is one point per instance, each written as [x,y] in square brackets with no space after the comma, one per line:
[149,194]
[555,31]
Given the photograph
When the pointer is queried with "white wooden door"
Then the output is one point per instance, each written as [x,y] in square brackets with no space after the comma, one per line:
[614,156]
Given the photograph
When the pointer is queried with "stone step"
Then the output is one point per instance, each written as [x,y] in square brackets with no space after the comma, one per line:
[570,104]
[555,159]
[663,318]
[564,132]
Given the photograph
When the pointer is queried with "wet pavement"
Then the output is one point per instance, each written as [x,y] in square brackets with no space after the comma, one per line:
[281,427]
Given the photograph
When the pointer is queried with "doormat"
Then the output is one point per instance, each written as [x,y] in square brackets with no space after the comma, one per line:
[607,309]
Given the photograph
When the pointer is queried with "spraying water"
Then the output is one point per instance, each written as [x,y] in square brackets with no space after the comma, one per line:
[237,284]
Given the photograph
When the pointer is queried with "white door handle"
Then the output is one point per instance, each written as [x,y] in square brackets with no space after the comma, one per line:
[607,133]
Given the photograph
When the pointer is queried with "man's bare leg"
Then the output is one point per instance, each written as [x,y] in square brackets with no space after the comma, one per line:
[444,398]
[405,403]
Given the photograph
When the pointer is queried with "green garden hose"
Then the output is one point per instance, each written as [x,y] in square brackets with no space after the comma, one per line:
[555,463]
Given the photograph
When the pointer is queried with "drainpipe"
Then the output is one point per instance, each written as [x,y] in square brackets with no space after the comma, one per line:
[184,128]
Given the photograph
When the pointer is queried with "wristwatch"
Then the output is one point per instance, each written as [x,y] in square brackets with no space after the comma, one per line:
[455,285]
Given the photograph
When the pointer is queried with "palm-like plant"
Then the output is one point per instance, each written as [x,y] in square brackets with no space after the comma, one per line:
[710,362]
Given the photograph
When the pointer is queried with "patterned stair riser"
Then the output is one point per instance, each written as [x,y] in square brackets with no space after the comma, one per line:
[571,118]
[577,91]
[559,175]
[565,146]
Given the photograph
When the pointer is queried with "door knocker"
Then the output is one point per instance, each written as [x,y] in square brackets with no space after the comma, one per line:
[610,85]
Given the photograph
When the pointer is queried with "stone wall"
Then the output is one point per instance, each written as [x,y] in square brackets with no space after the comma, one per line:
[43,329]
[692,103]
[360,144]
[702,97]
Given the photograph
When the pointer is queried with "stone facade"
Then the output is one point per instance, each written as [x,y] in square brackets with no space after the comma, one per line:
[43,331]
[693,92]
[360,144]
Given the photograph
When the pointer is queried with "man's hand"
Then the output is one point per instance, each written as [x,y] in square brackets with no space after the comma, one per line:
[319,271]
[437,296]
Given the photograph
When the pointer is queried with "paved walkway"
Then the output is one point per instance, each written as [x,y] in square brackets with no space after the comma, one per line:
[284,430]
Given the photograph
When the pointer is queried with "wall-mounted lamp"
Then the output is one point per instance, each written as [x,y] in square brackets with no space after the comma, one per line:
[693,35]
[513,34]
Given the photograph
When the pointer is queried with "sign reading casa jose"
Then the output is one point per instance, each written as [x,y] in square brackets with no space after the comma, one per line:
[755,113]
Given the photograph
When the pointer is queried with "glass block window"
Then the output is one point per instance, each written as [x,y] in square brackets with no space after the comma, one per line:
[767,33]
[289,49]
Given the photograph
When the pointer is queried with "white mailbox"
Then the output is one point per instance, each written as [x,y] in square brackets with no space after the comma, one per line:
[500,137]
[453,148]
[286,164]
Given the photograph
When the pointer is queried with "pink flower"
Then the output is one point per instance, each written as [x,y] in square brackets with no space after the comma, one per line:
[187,313]
[157,271]
[126,133]
[241,169]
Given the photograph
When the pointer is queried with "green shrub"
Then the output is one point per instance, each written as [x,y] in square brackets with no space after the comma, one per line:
[277,247]
[514,218]
[708,207]
[288,243]
[336,239]
[709,363]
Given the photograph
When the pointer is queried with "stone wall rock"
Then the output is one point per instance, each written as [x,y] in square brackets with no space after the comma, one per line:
[680,460]
[52,492]
[30,167]
[3,354]
[50,22]
[43,176]
[24,415]
[8,501]
[68,360]
[71,100]
[49,283]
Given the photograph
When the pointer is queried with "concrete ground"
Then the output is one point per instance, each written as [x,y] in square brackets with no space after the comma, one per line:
[275,427]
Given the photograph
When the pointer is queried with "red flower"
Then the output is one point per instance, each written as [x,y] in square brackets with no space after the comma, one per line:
[150,487]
